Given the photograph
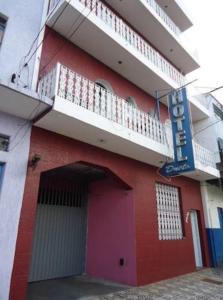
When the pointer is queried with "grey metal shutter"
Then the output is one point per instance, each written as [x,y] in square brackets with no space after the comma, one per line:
[60,233]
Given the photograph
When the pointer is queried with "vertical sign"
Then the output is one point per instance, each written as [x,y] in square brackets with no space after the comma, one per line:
[182,138]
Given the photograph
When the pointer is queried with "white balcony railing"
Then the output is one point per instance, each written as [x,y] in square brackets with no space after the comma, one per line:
[65,83]
[72,87]
[166,19]
[203,101]
[204,156]
[108,17]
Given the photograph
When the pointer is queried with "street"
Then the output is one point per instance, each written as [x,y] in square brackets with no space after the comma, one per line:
[206,284]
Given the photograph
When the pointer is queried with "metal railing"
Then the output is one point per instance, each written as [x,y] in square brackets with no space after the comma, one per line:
[73,87]
[204,156]
[108,17]
[166,19]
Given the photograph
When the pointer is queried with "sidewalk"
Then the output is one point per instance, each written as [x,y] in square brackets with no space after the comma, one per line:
[206,284]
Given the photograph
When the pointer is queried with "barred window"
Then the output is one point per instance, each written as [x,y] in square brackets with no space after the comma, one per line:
[168,212]
[2,165]
[2,28]
[218,110]
[4,142]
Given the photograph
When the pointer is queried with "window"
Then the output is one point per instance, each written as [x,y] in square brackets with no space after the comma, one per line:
[168,212]
[131,101]
[4,142]
[220,147]
[220,214]
[104,85]
[2,28]
[1,172]
[218,110]
[152,113]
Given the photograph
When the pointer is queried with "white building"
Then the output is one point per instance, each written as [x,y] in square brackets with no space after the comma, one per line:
[209,132]
[20,23]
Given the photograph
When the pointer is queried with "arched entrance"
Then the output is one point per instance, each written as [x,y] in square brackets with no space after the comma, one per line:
[82,225]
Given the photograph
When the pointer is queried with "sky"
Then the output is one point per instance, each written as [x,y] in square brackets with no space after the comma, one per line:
[207,36]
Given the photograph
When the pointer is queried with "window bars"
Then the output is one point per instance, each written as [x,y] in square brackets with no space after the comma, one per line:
[168,211]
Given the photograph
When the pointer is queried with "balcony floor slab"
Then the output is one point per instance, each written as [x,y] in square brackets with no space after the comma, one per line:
[135,67]
[76,122]
[21,102]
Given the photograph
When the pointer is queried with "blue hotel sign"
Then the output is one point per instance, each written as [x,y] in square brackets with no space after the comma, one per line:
[182,138]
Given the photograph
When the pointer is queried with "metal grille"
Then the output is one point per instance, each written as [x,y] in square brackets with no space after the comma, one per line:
[218,110]
[70,195]
[168,211]
[59,243]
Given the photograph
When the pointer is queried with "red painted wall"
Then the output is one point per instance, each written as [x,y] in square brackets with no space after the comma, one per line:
[58,49]
[155,259]
[111,232]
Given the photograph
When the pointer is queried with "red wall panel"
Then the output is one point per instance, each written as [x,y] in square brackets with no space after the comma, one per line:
[58,49]
[155,260]
[111,232]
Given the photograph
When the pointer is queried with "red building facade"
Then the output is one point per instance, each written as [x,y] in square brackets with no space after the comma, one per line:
[122,240]
[154,259]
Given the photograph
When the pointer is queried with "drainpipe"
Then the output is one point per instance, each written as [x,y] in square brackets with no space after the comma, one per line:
[157,105]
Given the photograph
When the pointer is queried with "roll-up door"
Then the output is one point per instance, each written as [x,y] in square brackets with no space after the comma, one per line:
[60,233]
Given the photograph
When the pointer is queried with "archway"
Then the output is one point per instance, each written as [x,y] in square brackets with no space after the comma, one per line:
[81,225]
[104,85]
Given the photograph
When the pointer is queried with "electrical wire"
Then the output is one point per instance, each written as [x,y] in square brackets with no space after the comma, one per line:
[41,29]
[29,126]
[168,179]
[27,122]
[22,63]
[47,34]
[69,37]
[207,127]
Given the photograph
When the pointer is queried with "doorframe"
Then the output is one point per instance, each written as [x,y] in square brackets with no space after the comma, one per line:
[198,216]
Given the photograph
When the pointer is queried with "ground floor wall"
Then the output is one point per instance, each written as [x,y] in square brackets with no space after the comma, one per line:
[111,210]
[212,197]
[12,181]
[154,259]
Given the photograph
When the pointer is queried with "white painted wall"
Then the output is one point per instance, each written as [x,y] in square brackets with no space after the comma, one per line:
[208,136]
[24,18]
[11,193]
[23,25]
[212,198]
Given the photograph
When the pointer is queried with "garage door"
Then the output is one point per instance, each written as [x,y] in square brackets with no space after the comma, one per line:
[60,233]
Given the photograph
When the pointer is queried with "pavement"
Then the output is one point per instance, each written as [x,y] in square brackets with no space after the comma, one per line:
[206,284]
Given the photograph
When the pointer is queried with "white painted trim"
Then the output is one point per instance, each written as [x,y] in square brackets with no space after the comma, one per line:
[204,196]
[196,238]
[39,51]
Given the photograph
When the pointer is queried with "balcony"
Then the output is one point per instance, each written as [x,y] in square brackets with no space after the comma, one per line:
[84,111]
[178,12]
[158,28]
[120,47]
[205,163]
[199,105]
[22,102]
